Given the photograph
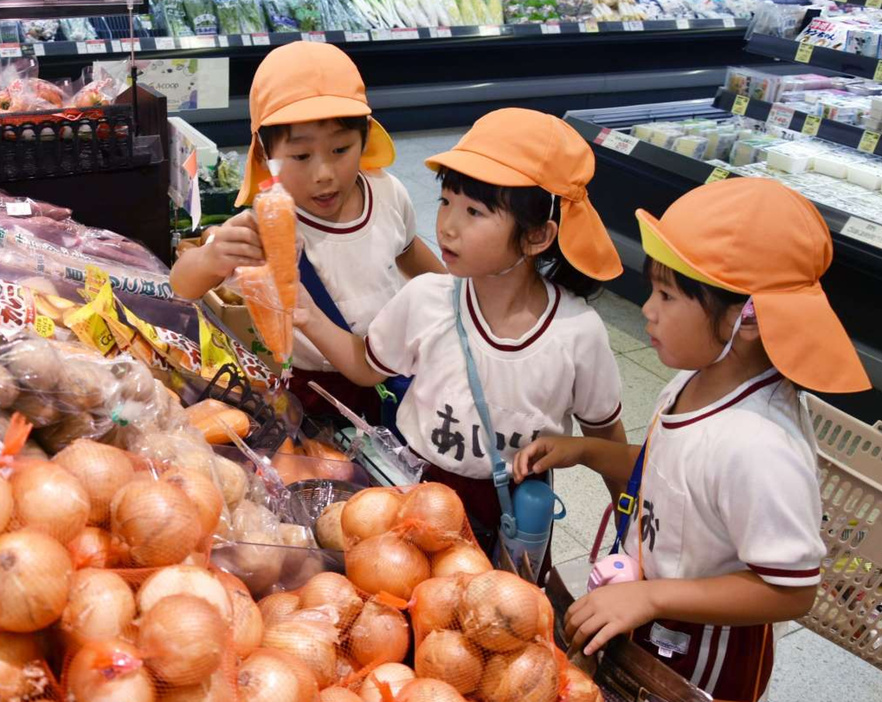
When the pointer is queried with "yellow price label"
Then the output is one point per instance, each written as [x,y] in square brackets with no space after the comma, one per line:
[718,174]
[877,76]
[590,26]
[44,326]
[869,142]
[804,53]
[812,125]
[740,105]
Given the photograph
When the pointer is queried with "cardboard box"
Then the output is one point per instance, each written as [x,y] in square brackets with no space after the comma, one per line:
[237,320]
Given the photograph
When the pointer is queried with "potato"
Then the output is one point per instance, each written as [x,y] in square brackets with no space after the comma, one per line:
[328,529]
[8,389]
[85,385]
[233,480]
[34,363]
[136,381]
[40,410]
[71,427]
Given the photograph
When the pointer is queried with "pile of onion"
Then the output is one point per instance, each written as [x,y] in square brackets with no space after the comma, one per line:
[387,563]
[335,591]
[370,513]
[109,671]
[461,557]
[182,638]
[93,548]
[531,675]
[6,503]
[185,580]
[435,603]
[338,694]
[395,675]
[278,607]
[35,574]
[247,620]
[22,675]
[451,657]
[101,469]
[50,499]
[216,689]
[311,637]
[100,606]
[428,690]
[501,612]
[157,521]
[380,634]
[203,493]
[579,687]
[273,676]
[437,514]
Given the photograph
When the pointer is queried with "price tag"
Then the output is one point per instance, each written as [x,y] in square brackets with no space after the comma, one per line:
[205,42]
[740,105]
[804,53]
[260,39]
[10,50]
[44,326]
[589,27]
[165,43]
[874,3]
[812,125]
[869,142]
[718,174]
[358,36]
[490,30]
[633,26]
[440,32]
[381,34]
[551,29]
[98,46]
[39,50]
[682,23]
[617,141]
[116,47]
[862,230]
[82,48]
[780,116]
[729,22]
[405,34]
[134,44]
[18,209]
[224,42]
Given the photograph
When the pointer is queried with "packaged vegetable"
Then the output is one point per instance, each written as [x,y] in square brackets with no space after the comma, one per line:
[202,15]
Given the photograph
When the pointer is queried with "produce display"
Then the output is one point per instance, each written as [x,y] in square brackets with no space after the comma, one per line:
[22,91]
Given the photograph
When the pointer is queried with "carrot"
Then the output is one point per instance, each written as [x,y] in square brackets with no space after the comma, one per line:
[276,222]
[275,327]
[212,418]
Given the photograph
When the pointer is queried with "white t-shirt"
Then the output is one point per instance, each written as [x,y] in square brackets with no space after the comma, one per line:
[356,260]
[560,369]
[731,487]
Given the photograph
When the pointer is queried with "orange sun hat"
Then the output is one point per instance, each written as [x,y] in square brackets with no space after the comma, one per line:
[514,147]
[758,237]
[306,82]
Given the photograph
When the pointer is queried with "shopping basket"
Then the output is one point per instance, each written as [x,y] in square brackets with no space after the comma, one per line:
[848,606]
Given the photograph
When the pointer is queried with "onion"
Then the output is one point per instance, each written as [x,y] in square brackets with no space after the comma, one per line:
[500,612]
[370,513]
[278,608]
[93,548]
[22,675]
[182,638]
[157,521]
[426,690]
[109,671]
[449,656]
[311,638]
[438,512]
[35,573]
[528,676]
[216,689]
[387,563]
[345,667]
[203,493]
[185,580]
[6,503]
[272,676]
[395,675]
[49,498]
[329,527]
[435,603]
[462,557]
[257,559]
[101,469]
[334,590]
[100,606]
[247,620]
[579,687]
[380,634]
[338,694]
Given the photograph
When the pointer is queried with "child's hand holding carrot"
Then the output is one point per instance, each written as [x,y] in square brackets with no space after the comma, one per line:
[235,243]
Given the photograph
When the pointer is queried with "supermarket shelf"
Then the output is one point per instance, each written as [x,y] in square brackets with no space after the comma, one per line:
[488,32]
[817,56]
[830,130]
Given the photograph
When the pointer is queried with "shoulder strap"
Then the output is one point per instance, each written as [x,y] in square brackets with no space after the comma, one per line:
[320,295]
[500,474]
[626,503]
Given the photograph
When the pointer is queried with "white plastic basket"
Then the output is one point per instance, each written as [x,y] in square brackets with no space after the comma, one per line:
[848,608]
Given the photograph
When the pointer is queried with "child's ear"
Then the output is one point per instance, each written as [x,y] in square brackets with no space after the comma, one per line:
[539,239]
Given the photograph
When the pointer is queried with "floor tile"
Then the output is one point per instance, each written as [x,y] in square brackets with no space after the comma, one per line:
[640,389]
[625,319]
[586,497]
[564,547]
[637,436]
[648,358]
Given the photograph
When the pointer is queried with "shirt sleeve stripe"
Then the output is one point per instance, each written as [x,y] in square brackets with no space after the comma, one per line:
[372,359]
[784,573]
[603,423]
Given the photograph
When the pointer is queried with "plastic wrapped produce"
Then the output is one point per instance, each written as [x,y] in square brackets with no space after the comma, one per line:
[229,17]
[39,30]
[252,19]
[202,15]
[170,17]
[78,29]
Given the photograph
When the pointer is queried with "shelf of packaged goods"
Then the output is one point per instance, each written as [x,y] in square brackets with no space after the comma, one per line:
[816,56]
[781,115]
[433,34]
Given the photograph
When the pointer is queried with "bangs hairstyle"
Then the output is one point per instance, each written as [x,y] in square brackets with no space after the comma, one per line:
[714,301]
[529,207]
[274,134]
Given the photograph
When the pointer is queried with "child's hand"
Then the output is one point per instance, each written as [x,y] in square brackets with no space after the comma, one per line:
[306,308]
[607,612]
[234,243]
[545,453]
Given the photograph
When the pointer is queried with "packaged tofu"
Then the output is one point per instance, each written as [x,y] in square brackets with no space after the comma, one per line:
[692,146]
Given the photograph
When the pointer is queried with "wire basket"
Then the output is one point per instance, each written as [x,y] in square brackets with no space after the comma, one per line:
[309,498]
[848,607]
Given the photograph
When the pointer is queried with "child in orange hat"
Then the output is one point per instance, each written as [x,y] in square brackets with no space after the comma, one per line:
[725,489]
[525,248]
[357,223]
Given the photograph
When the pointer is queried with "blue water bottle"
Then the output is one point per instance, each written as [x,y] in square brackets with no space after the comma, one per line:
[533,506]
